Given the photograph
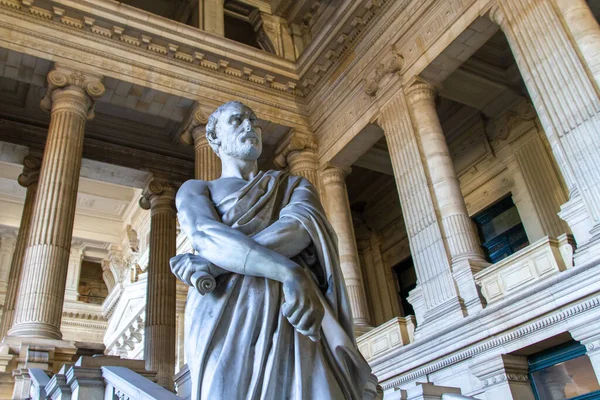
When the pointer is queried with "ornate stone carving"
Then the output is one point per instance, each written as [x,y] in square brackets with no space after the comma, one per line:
[393,65]
[66,77]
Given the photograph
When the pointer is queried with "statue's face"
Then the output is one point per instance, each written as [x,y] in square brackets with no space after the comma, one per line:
[239,134]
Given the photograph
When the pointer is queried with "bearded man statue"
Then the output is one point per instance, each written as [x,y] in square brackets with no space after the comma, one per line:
[276,323]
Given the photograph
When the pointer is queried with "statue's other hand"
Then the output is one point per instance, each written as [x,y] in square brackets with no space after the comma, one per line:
[303,307]
[184,265]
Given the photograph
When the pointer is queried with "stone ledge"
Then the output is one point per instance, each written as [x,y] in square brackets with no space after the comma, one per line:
[396,332]
[537,261]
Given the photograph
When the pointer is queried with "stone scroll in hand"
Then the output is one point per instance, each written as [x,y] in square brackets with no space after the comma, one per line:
[193,270]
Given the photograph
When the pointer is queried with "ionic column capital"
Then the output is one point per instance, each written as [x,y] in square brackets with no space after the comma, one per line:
[334,175]
[31,171]
[194,128]
[297,142]
[158,196]
[420,91]
[72,89]
[496,15]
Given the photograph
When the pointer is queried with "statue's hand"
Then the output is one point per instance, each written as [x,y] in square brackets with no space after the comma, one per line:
[302,305]
[184,265]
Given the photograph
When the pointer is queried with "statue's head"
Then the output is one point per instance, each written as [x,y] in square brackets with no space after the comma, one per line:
[233,130]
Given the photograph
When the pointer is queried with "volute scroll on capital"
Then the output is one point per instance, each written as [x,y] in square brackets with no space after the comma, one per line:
[158,193]
[194,127]
[31,171]
[297,142]
[392,65]
[62,77]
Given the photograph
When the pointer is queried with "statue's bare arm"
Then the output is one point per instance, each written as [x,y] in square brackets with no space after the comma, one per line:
[235,252]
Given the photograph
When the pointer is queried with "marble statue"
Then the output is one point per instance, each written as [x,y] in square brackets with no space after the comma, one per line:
[267,316]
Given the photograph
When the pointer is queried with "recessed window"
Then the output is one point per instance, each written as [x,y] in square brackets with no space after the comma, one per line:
[407,281]
[92,288]
[501,230]
[563,372]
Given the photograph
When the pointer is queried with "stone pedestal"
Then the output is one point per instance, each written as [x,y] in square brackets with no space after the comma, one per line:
[28,179]
[458,229]
[436,295]
[333,181]
[160,332]
[504,377]
[564,94]
[70,99]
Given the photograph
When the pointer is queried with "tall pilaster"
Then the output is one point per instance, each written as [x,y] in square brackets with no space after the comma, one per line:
[338,209]
[74,272]
[211,16]
[437,293]
[70,99]
[28,179]
[564,96]
[160,330]
[207,163]
[300,155]
[458,229]
[585,30]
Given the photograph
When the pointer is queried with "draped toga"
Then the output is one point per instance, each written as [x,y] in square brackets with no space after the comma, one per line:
[238,343]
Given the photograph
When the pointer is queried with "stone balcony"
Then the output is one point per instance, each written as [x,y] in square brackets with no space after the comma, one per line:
[539,260]
[394,333]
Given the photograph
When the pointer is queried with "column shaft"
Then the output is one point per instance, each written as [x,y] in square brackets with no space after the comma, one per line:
[160,330]
[432,264]
[580,20]
[458,229]
[208,164]
[340,217]
[29,179]
[39,306]
[563,94]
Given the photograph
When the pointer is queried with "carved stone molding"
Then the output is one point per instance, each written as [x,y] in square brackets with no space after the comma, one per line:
[392,65]
[500,369]
[63,77]
[420,90]
[334,175]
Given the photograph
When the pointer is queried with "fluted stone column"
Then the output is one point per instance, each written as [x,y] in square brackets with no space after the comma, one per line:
[28,179]
[436,297]
[338,209]
[207,163]
[458,229]
[160,333]
[567,102]
[300,156]
[585,31]
[70,100]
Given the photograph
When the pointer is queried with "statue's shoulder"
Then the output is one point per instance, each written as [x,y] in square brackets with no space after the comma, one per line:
[194,186]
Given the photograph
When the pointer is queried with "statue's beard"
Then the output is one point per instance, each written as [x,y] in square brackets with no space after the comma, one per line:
[247,149]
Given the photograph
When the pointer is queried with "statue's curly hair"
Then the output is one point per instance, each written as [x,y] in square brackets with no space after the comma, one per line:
[211,126]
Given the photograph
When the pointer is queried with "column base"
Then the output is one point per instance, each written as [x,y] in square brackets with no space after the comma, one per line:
[361,328]
[35,330]
[575,214]
[48,354]
[439,317]
[588,251]
[462,272]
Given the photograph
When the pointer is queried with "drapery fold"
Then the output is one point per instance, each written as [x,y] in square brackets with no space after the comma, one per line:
[238,343]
